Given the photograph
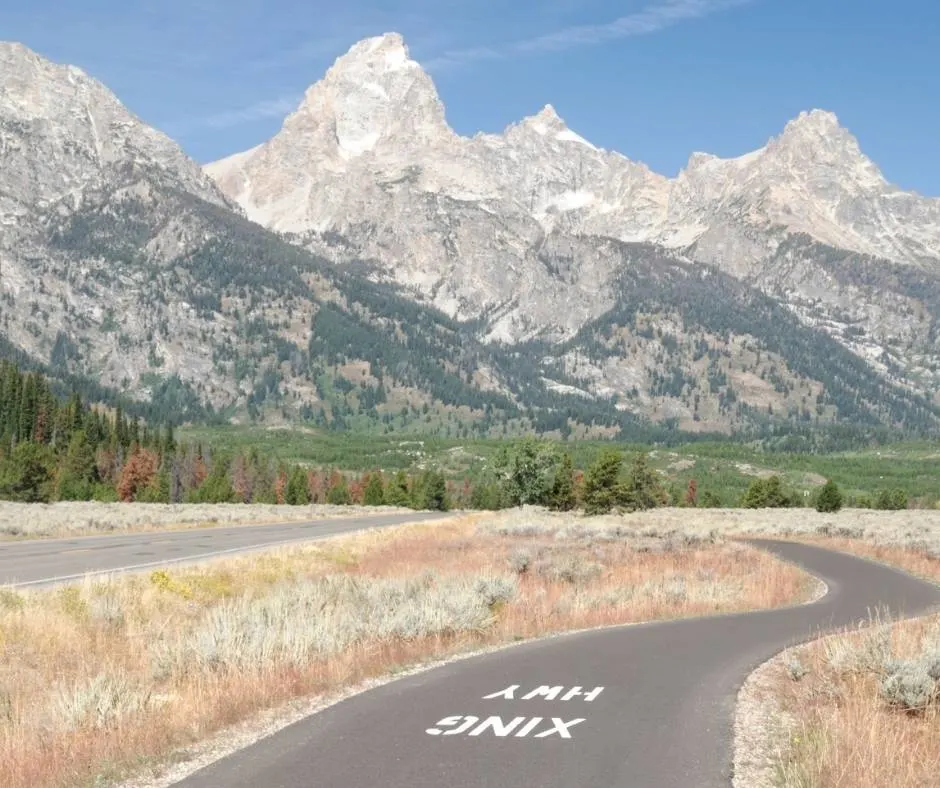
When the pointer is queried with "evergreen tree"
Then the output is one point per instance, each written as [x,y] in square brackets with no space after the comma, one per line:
[434,492]
[830,498]
[297,493]
[766,494]
[397,493]
[338,494]
[217,487]
[600,483]
[374,494]
[78,471]
[563,497]
[26,475]
[642,488]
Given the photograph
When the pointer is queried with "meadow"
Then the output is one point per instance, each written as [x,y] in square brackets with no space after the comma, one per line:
[725,469]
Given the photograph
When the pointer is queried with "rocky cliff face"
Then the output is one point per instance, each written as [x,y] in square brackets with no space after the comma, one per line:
[376,124]
[63,134]
[406,276]
[367,168]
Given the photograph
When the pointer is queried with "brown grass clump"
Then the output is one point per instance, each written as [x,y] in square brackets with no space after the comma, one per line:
[113,675]
[866,709]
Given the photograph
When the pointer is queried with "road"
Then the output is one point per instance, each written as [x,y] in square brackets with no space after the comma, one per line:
[648,706]
[38,562]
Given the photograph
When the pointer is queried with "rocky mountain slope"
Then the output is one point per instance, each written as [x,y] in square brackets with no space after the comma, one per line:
[408,278]
[367,168]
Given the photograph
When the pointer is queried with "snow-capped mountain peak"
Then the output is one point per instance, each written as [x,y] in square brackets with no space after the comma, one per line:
[370,146]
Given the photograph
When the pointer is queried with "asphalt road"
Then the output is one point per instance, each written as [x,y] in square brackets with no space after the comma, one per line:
[39,562]
[663,718]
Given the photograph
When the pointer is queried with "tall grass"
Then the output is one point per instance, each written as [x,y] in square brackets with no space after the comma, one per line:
[103,677]
[867,711]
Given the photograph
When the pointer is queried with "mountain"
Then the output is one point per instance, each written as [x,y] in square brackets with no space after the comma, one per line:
[121,261]
[372,135]
[368,169]
[368,268]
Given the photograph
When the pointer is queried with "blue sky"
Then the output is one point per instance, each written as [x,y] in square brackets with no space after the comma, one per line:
[654,79]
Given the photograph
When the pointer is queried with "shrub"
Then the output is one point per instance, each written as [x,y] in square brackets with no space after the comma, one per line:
[487,496]
[519,561]
[830,498]
[910,686]
[891,500]
[100,702]
[710,500]
[766,494]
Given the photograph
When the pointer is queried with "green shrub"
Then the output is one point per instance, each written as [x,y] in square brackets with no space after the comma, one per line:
[830,498]
[710,500]
[767,494]
[891,500]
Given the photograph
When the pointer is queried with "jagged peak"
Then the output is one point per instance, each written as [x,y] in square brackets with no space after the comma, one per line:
[549,114]
[545,121]
[27,62]
[814,121]
[384,53]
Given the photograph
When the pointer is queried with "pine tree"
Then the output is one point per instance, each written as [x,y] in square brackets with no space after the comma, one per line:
[26,475]
[642,488]
[434,492]
[297,492]
[766,494]
[563,497]
[830,498]
[600,483]
[397,493]
[374,494]
[338,494]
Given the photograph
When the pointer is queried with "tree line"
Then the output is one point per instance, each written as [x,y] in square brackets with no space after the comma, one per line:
[65,450]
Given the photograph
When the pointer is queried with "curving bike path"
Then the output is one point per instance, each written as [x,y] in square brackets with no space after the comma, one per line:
[644,706]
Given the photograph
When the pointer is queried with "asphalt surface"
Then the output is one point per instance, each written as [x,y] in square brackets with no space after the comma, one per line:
[38,562]
[664,718]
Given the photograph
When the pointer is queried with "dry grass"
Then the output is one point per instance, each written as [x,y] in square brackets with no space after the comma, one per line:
[26,520]
[864,708]
[114,675]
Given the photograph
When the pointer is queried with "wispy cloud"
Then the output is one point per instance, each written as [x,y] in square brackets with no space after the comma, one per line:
[272,108]
[658,16]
